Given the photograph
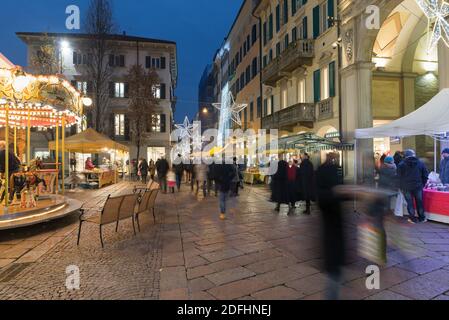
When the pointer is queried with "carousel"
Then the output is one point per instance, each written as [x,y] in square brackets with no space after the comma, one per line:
[28,194]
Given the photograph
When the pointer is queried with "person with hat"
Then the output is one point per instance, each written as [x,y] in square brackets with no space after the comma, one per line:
[413,176]
[388,175]
[444,167]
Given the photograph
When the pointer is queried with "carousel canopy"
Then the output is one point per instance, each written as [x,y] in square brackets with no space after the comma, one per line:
[90,141]
[37,101]
[432,119]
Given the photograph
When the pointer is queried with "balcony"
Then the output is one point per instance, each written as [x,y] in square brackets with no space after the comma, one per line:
[298,54]
[301,113]
[325,109]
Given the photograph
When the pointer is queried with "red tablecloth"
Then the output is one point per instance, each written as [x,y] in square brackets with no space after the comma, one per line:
[436,202]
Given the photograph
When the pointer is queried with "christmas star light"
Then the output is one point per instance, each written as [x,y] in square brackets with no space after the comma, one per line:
[436,14]
[233,108]
[185,129]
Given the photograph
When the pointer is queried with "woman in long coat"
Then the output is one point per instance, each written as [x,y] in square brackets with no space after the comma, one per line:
[279,185]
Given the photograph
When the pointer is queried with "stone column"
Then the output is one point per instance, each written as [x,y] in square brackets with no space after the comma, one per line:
[443,75]
[409,104]
[357,113]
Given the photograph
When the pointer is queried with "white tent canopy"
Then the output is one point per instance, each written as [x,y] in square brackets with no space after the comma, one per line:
[431,119]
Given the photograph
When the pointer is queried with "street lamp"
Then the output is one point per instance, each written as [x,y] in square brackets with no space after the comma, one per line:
[87,101]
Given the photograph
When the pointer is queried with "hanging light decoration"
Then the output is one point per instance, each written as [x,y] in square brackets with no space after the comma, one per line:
[436,14]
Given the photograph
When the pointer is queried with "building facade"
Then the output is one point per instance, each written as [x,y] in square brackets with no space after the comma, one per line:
[125,52]
[329,67]
[207,113]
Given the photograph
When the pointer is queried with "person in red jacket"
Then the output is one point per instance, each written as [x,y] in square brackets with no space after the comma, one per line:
[89,164]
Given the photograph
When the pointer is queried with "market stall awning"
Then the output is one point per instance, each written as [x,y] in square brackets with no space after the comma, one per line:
[90,141]
[432,119]
[310,142]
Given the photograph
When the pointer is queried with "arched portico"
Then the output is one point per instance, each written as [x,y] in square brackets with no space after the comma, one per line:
[358,71]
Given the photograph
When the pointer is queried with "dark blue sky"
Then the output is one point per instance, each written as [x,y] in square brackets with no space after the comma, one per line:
[198,27]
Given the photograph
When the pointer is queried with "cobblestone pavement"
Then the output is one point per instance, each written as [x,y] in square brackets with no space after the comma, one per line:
[191,254]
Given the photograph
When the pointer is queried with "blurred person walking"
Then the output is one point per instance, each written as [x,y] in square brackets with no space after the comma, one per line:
[212,179]
[307,182]
[224,174]
[143,170]
[178,169]
[152,169]
[236,180]
[292,185]
[413,176]
[388,178]
[200,171]
[333,234]
[162,167]
[279,190]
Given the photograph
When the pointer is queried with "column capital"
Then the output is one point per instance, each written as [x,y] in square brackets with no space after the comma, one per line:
[361,65]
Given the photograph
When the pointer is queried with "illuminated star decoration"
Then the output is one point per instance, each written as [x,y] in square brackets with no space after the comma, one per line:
[234,109]
[185,129]
[436,14]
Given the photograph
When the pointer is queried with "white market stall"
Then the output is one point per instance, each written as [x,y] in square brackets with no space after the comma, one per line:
[432,120]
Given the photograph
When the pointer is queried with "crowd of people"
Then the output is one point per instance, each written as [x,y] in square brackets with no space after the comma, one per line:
[294,182]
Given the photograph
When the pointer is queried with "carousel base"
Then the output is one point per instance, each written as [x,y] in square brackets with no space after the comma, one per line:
[51,208]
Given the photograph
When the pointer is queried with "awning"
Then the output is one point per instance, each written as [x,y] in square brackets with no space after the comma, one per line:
[309,142]
[90,141]
[432,119]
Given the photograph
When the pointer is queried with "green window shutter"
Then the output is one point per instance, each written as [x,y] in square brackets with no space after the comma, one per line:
[330,11]
[285,11]
[305,31]
[270,27]
[332,91]
[294,34]
[316,22]
[265,34]
[317,85]
[278,18]
[294,8]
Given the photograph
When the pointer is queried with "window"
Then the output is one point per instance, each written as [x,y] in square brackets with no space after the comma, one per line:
[251,111]
[265,107]
[265,35]
[248,44]
[259,107]
[316,22]
[270,56]
[278,18]
[284,99]
[317,86]
[270,27]
[278,49]
[254,34]
[248,74]
[155,123]
[286,42]
[302,91]
[304,29]
[254,67]
[244,49]
[116,60]
[285,19]
[157,91]
[265,61]
[294,34]
[332,91]
[324,18]
[325,83]
[77,58]
[294,7]
[119,90]
[81,86]
[119,125]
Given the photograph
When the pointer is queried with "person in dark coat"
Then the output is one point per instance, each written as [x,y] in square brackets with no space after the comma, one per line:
[444,167]
[212,178]
[178,168]
[388,178]
[307,181]
[224,174]
[398,158]
[143,169]
[413,176]
[327,178]
[292,185]
[162,168]
[279,189]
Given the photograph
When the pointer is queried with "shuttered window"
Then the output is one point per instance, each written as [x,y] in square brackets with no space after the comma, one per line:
[316,22]
[332,81]
[317,86]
